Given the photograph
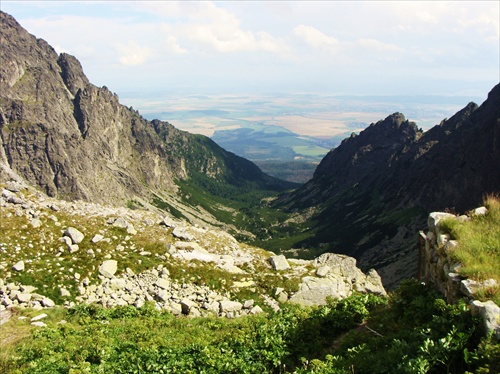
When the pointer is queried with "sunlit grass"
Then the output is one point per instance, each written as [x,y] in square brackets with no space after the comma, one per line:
[479,246]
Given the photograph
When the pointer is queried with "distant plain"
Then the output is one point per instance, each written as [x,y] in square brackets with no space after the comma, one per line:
[281,128]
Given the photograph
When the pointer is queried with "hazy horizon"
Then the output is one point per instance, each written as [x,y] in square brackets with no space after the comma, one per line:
[327,47]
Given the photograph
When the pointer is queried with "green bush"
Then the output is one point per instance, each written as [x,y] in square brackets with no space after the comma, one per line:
[412,331]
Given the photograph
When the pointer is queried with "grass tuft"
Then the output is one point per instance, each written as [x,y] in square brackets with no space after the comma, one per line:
[479,245]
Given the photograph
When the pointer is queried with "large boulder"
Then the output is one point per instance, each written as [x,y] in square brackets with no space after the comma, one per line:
[279,262]
[316,296]
[108,268]
[75,235]
[490,312]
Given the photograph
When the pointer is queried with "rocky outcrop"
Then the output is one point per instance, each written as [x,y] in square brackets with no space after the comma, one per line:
[336,276]
[156,286]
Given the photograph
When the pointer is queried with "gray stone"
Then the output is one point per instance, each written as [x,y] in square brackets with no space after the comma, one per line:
[169,222]
[278,290]
[481,211]
[39,324]
[23,297]
[490,312]
[256,310]
[12,198]
[97,238]
[180,233]
[73,248]
[283,297]
[323,271]
[162,283]
[5,316]
[117,283]
[186,305]
[279,262]
[39,317]
[163,295]
[230,268]
[176,308]
[230,306]
[108,268]
[75,235]
[213,307]
[14,186]
[121,223]
[131,230]
[35,223]
[374,283]
[435,217]
[316,296]
[469,287]
[194,312]
[6,301]
[248,304]
[198,254]
[27,289]
[18,266]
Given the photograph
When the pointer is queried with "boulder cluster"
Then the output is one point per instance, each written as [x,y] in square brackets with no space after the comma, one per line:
[155,285]
[336,276]
[14,294]
[114,238]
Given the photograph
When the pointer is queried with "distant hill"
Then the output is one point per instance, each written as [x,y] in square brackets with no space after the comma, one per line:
[371,194]
[74,140]
[276,150]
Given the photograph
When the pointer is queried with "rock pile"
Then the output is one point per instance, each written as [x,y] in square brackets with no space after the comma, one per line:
[336,276]
[18,295]
[156,286]
[112,238]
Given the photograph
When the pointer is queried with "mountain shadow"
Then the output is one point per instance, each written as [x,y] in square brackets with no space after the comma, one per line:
[370,195]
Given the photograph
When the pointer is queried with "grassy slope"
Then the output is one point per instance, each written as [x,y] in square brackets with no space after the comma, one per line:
[479,246]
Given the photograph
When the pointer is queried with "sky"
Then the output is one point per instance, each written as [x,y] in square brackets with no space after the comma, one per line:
[333,47]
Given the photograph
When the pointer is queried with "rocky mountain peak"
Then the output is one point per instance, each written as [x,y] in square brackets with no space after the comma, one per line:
[72,73]
[378,144]
[76,141]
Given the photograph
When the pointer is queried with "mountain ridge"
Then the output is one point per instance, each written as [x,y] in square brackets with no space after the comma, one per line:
[370,195]
[76,141]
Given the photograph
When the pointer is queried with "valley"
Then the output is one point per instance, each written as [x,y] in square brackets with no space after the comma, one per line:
[285,134]
[130,245]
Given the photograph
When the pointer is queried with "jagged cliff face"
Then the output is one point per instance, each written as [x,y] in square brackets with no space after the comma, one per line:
[75,140]
[370,195]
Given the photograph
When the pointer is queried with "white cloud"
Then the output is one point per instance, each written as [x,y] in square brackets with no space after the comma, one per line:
[173,47]
[201,43]
[315,38]
[210,27]
[133,54]
[378,46]
[221,31]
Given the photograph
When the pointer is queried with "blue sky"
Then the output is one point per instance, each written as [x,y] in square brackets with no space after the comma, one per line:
[333,47]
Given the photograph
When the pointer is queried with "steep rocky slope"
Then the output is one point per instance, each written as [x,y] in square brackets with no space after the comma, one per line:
[370,195]
[76,141]
[79,252]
